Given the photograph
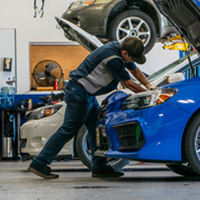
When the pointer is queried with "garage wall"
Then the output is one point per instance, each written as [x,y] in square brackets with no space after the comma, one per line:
[158,58]
[7,50]
[18,14]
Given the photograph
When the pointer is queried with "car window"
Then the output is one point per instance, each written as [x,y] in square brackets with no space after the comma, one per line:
[164,70]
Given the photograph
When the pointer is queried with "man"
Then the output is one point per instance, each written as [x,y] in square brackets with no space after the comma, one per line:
[98,74]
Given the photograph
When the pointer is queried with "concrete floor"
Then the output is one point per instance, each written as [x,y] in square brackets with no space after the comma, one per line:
[142,182]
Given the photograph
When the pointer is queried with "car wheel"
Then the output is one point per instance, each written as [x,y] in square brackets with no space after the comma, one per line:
[83,152]
[136,24]
[182,169]
[192,144]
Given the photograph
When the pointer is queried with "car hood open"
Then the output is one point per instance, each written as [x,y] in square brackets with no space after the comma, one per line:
[87,40]
[185,16]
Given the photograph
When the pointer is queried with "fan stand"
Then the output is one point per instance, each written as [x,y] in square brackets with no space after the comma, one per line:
[61,80]
[32,88]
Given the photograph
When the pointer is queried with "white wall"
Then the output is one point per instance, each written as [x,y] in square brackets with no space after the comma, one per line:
[7,50]
[18,14]
[158,58]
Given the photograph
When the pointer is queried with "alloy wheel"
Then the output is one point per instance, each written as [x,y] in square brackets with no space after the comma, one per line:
[133,27]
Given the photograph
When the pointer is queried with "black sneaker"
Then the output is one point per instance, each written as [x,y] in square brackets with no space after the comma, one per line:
[106,172]
[42,171]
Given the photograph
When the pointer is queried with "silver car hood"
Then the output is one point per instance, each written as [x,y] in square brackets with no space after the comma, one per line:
[185,16]
[87,40]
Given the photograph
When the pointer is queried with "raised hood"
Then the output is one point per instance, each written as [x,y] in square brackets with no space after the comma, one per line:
[185,16]
[88,41]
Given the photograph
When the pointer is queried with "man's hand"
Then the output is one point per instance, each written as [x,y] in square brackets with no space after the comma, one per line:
[134,86]
[150,87]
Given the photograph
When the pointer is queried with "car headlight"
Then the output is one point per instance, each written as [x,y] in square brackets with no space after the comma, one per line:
[81,3]
[148,99]
[88,2]
[42,112]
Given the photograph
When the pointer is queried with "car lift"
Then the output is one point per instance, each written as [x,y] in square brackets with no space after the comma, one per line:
[178,43]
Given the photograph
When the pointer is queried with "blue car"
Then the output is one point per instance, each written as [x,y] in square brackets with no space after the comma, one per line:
[161,125]
[154,126]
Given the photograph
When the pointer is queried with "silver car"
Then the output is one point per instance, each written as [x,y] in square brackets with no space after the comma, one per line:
[118,19]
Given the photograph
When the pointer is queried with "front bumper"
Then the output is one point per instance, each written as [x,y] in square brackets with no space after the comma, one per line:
[160,138]
[89,18]
[35,133]
[130,136]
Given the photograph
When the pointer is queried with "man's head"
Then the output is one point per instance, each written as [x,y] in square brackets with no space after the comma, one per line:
[133,48]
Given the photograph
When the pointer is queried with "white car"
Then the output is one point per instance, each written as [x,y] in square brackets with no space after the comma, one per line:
[44,121]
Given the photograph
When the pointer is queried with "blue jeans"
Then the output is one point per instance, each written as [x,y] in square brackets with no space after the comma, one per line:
[82,108]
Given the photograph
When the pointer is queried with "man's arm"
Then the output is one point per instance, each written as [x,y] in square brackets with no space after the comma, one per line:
[141,78]
[133,86]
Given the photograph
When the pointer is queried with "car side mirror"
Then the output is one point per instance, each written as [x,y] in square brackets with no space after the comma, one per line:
[175,77]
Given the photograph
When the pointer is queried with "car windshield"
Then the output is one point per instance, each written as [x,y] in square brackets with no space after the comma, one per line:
[164,70]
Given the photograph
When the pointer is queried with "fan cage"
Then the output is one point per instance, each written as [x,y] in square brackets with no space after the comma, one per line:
[41,67]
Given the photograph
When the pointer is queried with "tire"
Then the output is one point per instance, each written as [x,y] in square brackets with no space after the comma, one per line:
[83,152]
[133,23]
[181,169]
[192,144]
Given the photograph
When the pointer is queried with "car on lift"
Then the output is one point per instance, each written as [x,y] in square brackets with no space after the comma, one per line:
[118,19]
[162,125]
[43,122]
